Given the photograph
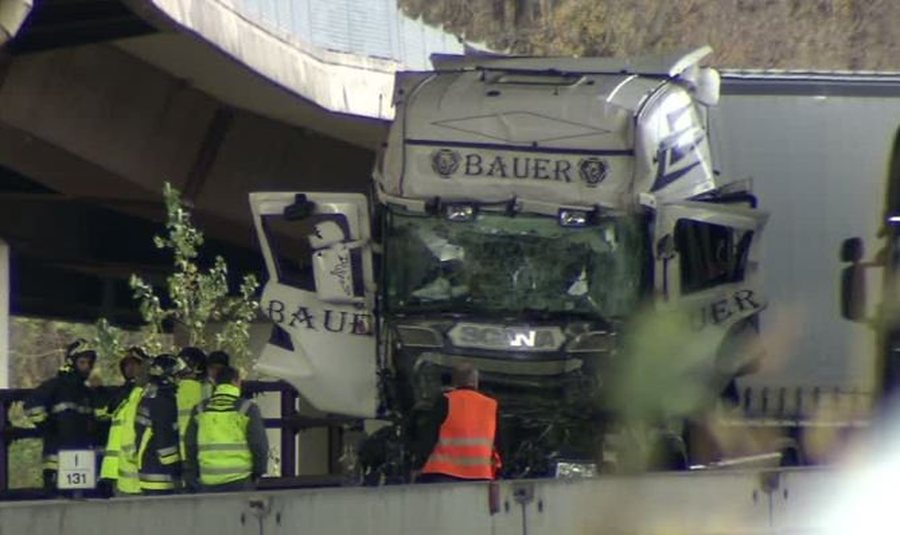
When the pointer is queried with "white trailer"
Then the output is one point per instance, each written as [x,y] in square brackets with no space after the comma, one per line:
[819,149]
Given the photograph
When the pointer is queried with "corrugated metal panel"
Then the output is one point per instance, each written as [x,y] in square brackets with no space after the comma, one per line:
[267,12]
[329,20]
[414,43]
[370,28]
[374,28]
[301,23]
[283,19]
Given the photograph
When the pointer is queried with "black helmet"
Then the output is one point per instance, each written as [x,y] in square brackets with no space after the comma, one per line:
[137,353]
[165,367]
[133,353]
[194,359]
[219,357]
[77,349]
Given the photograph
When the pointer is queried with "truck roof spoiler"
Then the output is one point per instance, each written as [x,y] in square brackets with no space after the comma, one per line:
[663,65]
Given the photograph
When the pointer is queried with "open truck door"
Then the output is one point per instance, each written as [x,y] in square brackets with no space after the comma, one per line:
[320,296]
[706,266]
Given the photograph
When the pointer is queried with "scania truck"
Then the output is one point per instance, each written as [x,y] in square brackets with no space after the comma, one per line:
[525,214]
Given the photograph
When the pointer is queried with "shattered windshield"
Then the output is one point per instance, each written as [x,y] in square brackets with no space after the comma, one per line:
[498,263]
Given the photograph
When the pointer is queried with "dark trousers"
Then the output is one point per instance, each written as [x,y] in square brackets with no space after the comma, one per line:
[49,480]
[240,485]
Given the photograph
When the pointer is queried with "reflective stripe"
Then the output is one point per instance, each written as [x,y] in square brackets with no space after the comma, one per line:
[150,485]
[222,447]
[50,462]
[36,414]
[184,412]
[462,460]
[465,442]
[156,477]
[69,406]
[157,481]
[225,470]
[126,474]
[128,448]
[111,453]
[164,452]
[143,420]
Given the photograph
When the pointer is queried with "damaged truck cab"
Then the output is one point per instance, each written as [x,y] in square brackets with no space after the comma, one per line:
[526,210]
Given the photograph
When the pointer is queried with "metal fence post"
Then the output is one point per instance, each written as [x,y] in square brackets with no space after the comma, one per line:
[4,448]
[288,432]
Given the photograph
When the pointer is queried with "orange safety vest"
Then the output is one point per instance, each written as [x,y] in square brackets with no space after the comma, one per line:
[465,445]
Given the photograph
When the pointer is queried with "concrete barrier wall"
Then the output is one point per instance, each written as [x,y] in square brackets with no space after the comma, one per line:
[696,504]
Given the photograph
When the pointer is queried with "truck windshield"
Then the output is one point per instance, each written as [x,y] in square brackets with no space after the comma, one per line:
[501,264]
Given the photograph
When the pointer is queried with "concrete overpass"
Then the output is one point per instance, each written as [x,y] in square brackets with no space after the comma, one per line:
[103,100]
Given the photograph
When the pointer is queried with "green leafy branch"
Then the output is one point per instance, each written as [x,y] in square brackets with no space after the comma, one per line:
[199,298]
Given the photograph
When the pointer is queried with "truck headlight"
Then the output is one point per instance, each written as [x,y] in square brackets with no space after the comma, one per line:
[460,212]
[573,218]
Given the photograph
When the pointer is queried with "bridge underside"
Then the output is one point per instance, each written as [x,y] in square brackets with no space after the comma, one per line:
[97,112]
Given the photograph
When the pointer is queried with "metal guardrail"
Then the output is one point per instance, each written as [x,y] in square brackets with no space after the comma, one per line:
[805,403]
[290,423]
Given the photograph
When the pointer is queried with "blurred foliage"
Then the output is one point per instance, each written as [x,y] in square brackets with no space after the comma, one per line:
[793,34]
[203,312]
[37,348]
[25,464]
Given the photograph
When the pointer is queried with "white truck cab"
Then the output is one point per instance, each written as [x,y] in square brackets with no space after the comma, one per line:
[526,210]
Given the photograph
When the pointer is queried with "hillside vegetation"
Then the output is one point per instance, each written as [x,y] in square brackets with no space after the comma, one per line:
[786,34]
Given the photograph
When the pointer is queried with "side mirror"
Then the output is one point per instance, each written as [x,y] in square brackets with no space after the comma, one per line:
[301,208]
[853,281]
[708,86]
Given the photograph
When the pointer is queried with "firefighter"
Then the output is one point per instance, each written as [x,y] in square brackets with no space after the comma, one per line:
[128,481]
[464,448]
[156,429]
[190,387]
[227,448]
[122,406]
[62,408]
[215,362]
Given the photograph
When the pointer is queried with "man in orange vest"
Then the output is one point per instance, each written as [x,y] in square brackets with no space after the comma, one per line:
[464,448]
